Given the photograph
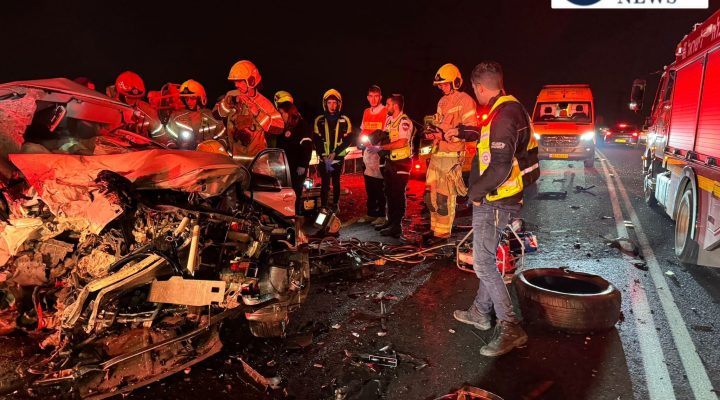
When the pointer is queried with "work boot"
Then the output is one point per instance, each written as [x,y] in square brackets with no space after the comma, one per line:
[378,221]
[392,230]
[508,336]
[473,317]
[386,225]
[433,240]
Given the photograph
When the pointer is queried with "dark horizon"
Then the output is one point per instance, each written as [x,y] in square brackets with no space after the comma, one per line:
[309,49]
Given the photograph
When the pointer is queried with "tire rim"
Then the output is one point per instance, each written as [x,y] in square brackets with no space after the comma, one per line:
[682,225]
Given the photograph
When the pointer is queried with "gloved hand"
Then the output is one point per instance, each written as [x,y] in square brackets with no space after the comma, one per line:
[300,170]
[373,148]
[328,165]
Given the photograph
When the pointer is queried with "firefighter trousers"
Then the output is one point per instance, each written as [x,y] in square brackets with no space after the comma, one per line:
[330,176]
[443,183]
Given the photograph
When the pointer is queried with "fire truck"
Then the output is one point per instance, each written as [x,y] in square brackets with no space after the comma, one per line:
[682,160]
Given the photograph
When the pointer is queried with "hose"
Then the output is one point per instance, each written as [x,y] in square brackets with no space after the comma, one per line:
[374,253]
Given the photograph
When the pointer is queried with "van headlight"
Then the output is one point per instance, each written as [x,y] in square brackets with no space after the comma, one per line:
[588,135]
[537,136]
[425,150]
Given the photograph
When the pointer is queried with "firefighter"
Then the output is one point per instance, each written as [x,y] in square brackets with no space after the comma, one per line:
[373,119]
[396,170]
[332,135]
[297,143]
[249,114]
[129,88]
[506,163]
[194,124]
[443,181]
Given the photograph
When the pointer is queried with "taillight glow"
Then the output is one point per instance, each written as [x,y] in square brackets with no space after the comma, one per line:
[634,134]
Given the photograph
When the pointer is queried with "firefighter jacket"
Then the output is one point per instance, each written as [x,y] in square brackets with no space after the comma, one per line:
[332,133]
[189,128]
[373,120]
[507,159]
[454,109]
[400,128]
[248,119]
[298,145]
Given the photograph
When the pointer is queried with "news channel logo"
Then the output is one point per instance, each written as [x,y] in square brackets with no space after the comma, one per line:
[631,4]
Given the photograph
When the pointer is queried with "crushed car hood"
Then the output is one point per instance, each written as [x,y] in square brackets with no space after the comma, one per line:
[66,183]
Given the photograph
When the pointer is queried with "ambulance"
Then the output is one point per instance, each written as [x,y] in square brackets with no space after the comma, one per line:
[564,123]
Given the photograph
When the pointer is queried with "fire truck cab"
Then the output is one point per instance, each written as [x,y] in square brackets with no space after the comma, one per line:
[682,159]
[564,123]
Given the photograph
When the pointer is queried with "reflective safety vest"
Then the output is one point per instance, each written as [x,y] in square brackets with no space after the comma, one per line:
[338,136]
[517,180]
[393,128]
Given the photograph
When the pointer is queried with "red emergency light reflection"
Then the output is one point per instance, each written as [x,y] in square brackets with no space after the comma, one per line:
[417,166]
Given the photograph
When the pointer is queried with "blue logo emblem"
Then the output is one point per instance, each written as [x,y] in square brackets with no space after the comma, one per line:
[584,2]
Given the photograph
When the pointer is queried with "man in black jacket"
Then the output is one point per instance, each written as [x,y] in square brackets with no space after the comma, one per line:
[506,157]
[298,146]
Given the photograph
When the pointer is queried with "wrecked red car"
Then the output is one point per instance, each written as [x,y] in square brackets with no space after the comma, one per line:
[124,255]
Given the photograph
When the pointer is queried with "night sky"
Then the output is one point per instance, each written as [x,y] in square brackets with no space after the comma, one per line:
[306,47]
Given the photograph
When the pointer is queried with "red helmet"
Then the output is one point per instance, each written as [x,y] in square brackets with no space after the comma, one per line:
[129,84]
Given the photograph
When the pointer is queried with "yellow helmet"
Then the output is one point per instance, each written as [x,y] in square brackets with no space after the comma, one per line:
[332,93]
[193,88]
[282,96]
[212,146]
[448,73]
[245,70]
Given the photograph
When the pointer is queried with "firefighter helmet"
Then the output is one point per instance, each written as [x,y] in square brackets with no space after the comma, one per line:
[449,73]
[129,84]
[282,96]
[191,88]
[332,93]
[245,70]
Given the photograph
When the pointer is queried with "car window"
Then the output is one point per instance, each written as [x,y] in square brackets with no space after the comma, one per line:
[272,163]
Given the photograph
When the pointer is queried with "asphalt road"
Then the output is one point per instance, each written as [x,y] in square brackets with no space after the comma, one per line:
[666,347]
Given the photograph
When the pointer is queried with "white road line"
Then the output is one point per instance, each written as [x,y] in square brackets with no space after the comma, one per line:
[657,376]
[695,370]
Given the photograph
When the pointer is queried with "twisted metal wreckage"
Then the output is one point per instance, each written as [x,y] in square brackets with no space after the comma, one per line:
[127,255]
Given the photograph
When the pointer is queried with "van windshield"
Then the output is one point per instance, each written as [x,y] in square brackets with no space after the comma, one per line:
[565,112]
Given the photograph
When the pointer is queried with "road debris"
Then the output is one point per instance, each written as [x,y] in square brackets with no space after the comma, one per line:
[336,326]
[575,207]
[640,264]
[625,245]
[538,391]
[702,328]
[582,189]
[551,195]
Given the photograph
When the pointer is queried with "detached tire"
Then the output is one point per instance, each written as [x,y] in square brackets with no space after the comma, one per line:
[572,302]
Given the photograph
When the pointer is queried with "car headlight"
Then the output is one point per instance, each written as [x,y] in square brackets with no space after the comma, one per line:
[537,136]
[588,135]
[425,150]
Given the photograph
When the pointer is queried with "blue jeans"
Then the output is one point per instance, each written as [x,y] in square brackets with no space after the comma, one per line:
[488,221]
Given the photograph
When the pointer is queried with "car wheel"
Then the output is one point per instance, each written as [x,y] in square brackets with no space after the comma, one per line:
[685,246]
[569,301]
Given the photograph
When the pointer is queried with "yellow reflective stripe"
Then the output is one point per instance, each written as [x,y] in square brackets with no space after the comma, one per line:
[706,184]
[469,114]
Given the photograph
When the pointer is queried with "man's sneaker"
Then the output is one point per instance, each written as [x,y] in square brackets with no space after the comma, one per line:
[387,224]
[378,221]
[508,336]
[474,318]
[392,230]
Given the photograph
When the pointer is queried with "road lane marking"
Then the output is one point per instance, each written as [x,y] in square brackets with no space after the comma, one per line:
[695,370]
[657,377]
